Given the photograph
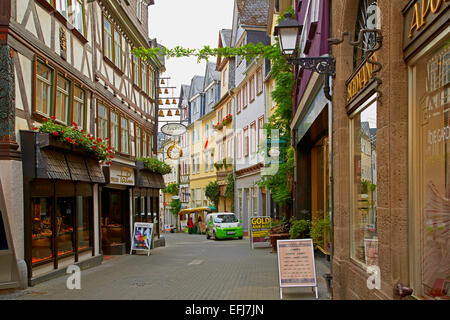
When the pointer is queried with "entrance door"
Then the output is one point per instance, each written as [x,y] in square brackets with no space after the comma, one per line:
[320,199]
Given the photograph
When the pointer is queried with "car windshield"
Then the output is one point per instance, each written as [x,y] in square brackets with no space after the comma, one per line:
[225,218]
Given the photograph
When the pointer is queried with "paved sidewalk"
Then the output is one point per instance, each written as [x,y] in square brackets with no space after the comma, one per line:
[188,268]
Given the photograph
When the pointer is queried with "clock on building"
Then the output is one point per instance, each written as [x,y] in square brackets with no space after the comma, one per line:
[174,152]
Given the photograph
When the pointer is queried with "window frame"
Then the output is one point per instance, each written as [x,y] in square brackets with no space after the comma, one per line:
[253,137]
[52,88]
[121,118]
[245,96]
[74,100]
[260,83]
[69,98]
[107,122]
[245,144]
[251,88]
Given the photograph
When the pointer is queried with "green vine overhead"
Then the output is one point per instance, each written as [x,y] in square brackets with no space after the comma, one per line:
[281,72]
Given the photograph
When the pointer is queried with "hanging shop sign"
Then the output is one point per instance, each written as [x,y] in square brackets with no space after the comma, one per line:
[142,237]
[122,175]
[296,264]
[173,129]
[260,230]
[361,78]
[423,17]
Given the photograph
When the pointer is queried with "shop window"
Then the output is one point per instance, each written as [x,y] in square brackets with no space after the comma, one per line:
[62,99]
[430,105]
[114,130]
[42,231]
[84,209]
[364,235]
[65,211]
[112,224]
[79,106]
[44,76]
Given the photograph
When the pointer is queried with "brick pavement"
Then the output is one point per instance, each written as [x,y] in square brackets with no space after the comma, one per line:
[188,268]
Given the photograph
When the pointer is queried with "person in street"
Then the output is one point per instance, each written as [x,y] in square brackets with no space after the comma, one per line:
[190,225]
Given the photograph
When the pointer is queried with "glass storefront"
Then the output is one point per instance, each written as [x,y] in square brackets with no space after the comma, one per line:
[57,210]
[364,235]
[112,217]
[431,196]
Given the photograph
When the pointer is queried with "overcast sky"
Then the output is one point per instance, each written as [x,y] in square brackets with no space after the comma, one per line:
[190,24]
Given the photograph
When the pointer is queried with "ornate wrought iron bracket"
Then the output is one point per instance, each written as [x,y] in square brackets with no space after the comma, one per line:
[369,41]
[322,65]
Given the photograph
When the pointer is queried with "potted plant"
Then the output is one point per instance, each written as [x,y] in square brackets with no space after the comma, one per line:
[300,229]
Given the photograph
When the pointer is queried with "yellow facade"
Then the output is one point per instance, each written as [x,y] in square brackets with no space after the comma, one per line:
[202,153]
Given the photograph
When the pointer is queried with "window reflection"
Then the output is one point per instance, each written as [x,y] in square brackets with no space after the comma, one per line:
[364,215]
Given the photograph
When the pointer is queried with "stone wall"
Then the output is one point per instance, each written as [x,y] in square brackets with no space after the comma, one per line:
[349,279]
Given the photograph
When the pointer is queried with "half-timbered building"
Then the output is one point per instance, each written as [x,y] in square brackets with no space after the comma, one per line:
[70,62]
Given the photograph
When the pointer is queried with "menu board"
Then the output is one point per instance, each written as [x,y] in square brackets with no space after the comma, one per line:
[296,263]
[142,237]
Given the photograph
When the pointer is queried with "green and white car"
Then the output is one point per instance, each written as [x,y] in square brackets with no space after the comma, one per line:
[223,225]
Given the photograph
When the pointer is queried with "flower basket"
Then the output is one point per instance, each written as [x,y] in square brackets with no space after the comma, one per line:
[75,138]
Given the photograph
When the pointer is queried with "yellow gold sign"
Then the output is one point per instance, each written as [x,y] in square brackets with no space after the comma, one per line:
[421,12]
[361,78]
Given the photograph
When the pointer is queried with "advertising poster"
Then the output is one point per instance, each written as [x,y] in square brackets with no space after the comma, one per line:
[296,264]
[142,236]
[260,229]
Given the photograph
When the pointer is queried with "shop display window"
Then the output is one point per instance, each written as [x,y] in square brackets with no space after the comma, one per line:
[431,188]
[364,235]
[112,224]
[65,214]
[84,216]
[41,238]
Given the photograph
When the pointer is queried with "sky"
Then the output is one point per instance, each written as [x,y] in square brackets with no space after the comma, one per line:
[191,24]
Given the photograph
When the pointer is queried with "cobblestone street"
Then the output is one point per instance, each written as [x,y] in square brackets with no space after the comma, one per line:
[189,267]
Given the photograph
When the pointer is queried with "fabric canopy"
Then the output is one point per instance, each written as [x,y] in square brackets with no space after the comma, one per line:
[195,210]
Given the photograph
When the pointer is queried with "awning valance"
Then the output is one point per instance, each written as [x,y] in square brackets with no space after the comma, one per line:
[147,179]
[195,210]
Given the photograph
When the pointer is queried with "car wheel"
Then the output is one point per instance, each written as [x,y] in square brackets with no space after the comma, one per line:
[214,234]
[240,238]
[207,235]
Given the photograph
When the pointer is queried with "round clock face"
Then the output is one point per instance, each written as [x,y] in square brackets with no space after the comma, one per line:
[174,152]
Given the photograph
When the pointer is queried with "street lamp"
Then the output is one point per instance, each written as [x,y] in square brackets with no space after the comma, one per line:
[288,31]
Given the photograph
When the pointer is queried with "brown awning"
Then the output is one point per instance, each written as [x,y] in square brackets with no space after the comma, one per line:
[52,164]
[95,171]
[77,167]
[147,179]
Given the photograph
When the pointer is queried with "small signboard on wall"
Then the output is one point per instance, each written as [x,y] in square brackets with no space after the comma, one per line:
[142,237]
[296,264]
